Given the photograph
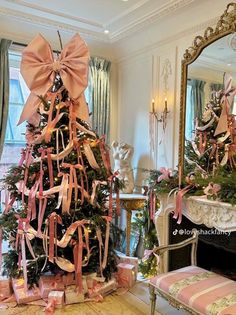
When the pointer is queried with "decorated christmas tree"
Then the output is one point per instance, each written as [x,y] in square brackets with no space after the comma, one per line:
[58,217]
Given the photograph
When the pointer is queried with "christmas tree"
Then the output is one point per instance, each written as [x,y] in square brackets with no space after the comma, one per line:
[59,214]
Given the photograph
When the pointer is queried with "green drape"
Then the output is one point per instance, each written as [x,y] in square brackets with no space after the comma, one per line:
[197,96]
[4,89]
[99,69]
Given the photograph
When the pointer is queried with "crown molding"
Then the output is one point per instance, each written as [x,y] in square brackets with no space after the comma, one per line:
[51,24]
[55,13]
[147,19]
[166,41]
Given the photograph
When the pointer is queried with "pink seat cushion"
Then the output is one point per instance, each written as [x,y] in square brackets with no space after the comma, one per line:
[203,291]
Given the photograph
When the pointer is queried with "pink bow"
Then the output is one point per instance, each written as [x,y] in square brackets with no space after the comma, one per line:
[38,69]
[165,174]
[226,101]
[212,189]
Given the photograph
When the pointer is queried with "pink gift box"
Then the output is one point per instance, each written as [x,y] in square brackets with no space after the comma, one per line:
[57,298]
[23,296]
[68,279]
[103,289]
[48,283]
[126,275]
[5,288]
[72,296]
[129,260]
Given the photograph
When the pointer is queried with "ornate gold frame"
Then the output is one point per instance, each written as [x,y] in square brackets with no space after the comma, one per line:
[226,25]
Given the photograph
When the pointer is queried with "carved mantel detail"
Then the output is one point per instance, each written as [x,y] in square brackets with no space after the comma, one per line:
[219,215]
[199,210]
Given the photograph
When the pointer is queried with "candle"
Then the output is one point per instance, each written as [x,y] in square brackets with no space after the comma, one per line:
[153,105]
[165,104]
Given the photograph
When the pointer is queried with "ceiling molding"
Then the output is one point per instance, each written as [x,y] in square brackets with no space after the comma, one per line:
[145,20]
[166,41]
[120,26]
[57,13]
[51,24]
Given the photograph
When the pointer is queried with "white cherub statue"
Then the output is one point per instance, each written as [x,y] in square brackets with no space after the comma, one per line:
[122,155]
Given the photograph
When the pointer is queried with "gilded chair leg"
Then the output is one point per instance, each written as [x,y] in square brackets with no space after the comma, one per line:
[152,298]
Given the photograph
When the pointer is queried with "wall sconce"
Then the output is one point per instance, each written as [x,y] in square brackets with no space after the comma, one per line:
[163,117]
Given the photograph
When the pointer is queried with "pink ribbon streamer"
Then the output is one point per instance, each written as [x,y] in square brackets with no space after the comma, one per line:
[226,101]
[179,203]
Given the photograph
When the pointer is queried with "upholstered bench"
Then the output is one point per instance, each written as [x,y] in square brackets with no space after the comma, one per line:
[199,291]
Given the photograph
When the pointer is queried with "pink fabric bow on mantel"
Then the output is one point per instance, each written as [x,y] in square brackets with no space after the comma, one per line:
[226,101]
[39,68]
[166,173]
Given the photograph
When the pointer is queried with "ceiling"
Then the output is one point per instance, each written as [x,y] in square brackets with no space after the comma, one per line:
[88,17]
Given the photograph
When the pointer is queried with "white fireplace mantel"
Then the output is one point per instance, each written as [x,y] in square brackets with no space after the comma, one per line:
[213,214]
[199,210]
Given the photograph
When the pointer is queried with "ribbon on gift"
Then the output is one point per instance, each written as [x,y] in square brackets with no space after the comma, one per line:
[39,68]
[179,202]
[50,308]
[166,173]
[226,101]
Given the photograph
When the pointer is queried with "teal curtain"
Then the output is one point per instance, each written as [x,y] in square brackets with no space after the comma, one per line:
[4,89]
[197,97]
[99,70]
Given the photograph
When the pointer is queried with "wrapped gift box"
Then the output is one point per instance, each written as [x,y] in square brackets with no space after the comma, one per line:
[68,279]
[23,296]
[56,298]
[103,289]
[129,260]
[5,288]
[72,295]
[48,283]
[126,275]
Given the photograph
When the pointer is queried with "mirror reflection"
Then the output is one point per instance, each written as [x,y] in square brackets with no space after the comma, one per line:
[211,79]
[206,75]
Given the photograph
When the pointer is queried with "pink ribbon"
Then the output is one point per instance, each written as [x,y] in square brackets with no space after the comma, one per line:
[105,155]
[54,219]
[111,181]
[39,68]
[152,204]
[73,182]
[165,174]
[226,101]
[179,203]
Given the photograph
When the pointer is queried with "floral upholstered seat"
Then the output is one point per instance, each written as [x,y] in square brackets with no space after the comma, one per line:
[202,291]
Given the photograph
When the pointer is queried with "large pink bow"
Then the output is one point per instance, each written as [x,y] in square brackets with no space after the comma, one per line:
[38,69]
[226,101]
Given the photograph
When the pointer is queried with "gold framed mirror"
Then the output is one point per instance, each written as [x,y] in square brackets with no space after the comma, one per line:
[214,41]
